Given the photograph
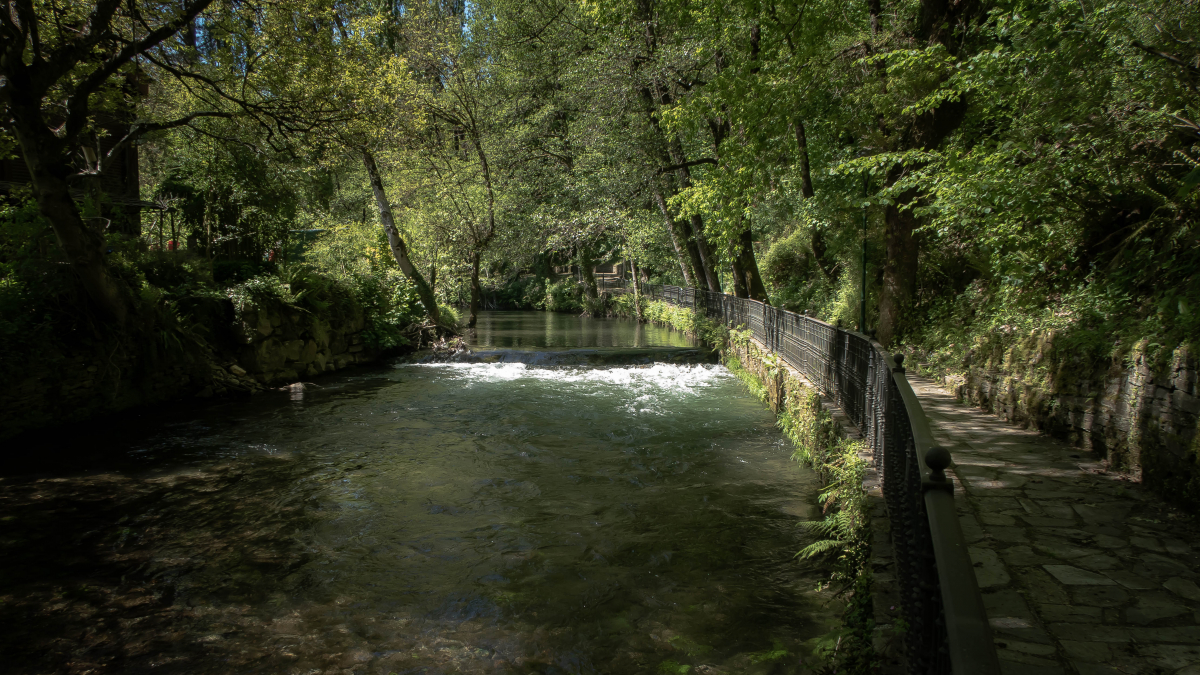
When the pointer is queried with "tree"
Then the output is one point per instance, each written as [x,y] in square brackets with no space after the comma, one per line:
[59,66]
[65,67]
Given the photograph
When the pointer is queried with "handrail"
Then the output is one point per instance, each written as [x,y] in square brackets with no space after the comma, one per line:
[948,630]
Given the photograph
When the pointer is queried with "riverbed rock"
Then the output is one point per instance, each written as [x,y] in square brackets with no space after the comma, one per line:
[337,344]
[292,349]
[270,355]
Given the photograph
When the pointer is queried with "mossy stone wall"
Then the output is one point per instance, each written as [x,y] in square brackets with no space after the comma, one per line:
[242,353]
[1138,410]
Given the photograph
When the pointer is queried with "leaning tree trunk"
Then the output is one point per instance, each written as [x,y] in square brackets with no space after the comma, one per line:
[637,290]
[677,241]
[476,290]
[83,246]
[707,259]
[399,249]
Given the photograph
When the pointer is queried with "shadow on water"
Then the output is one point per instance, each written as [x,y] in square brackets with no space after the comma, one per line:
[466,517]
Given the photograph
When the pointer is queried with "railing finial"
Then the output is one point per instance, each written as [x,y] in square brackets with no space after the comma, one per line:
[899,359]
[937,459]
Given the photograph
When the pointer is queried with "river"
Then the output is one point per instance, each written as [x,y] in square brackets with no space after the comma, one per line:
[528,511]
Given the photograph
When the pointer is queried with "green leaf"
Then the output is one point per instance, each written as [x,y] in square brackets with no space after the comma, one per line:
[1190,182]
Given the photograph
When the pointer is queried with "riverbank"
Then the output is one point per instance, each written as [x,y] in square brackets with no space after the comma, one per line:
[196,337]
[868,640]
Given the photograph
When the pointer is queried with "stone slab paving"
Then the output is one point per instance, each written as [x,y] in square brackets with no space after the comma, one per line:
[1082,571]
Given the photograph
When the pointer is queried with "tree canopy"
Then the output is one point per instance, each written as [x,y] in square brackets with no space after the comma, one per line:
[981,163]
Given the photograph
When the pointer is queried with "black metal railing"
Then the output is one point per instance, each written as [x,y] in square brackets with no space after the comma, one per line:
[948,630]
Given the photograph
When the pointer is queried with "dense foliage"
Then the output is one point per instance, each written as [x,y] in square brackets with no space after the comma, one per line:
[977,170]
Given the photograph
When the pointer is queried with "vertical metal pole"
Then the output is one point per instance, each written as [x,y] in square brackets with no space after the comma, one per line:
[862,299]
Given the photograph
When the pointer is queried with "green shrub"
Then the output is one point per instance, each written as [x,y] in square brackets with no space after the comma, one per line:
[563,295]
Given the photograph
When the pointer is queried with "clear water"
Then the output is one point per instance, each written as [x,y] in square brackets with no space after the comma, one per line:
[422,518]
[552,331]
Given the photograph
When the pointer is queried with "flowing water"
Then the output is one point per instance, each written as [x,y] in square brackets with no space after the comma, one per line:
[522,513]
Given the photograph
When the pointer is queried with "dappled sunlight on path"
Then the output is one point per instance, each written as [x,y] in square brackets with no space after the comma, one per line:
[1082,571]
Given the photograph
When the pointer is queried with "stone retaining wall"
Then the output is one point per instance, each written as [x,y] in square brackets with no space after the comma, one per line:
[261,347]
[1139,415]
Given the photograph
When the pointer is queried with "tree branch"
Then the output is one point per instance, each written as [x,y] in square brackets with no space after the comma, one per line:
[1155,51]
[78,106]
[139,130]
[62,60]
[685,165]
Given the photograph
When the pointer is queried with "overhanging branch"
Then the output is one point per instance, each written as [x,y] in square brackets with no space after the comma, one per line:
[686,165]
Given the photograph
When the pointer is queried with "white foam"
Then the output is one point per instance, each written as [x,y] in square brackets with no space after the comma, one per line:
[644,380]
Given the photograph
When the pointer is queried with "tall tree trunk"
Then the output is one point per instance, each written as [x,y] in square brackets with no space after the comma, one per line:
[637,290]
[739,280]
[82,245]
[399,249]
[693,249]
[752,282]
[899,273]
[678,240]
[926,131]
[707,259]
[806,185]
[587,270]
[476,290]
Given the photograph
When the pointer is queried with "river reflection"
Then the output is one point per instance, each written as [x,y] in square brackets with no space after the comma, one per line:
[467,517]
[550,330]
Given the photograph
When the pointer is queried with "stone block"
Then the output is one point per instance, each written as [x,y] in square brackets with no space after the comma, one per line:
[292,349]
[1071,614]
[1131,580]
[309,353]
[997,519]
[1098,596]
[1023,556]
[269,354]
[1151,607]
[1098,562]
[1176,659]
[1073,576]
[1088,652]
[1160,567]
[337,344]
[1183,588]
[989,571]
[1057,548]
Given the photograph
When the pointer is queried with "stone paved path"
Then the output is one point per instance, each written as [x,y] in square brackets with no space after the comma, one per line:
[1081,571]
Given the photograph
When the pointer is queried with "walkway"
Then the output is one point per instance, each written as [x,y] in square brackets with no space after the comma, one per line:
[1081,571]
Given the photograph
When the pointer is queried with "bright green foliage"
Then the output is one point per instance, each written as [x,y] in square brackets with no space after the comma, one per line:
[708,332]
[1057,188]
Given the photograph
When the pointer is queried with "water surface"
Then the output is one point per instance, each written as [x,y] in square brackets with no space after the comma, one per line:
[423,518]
